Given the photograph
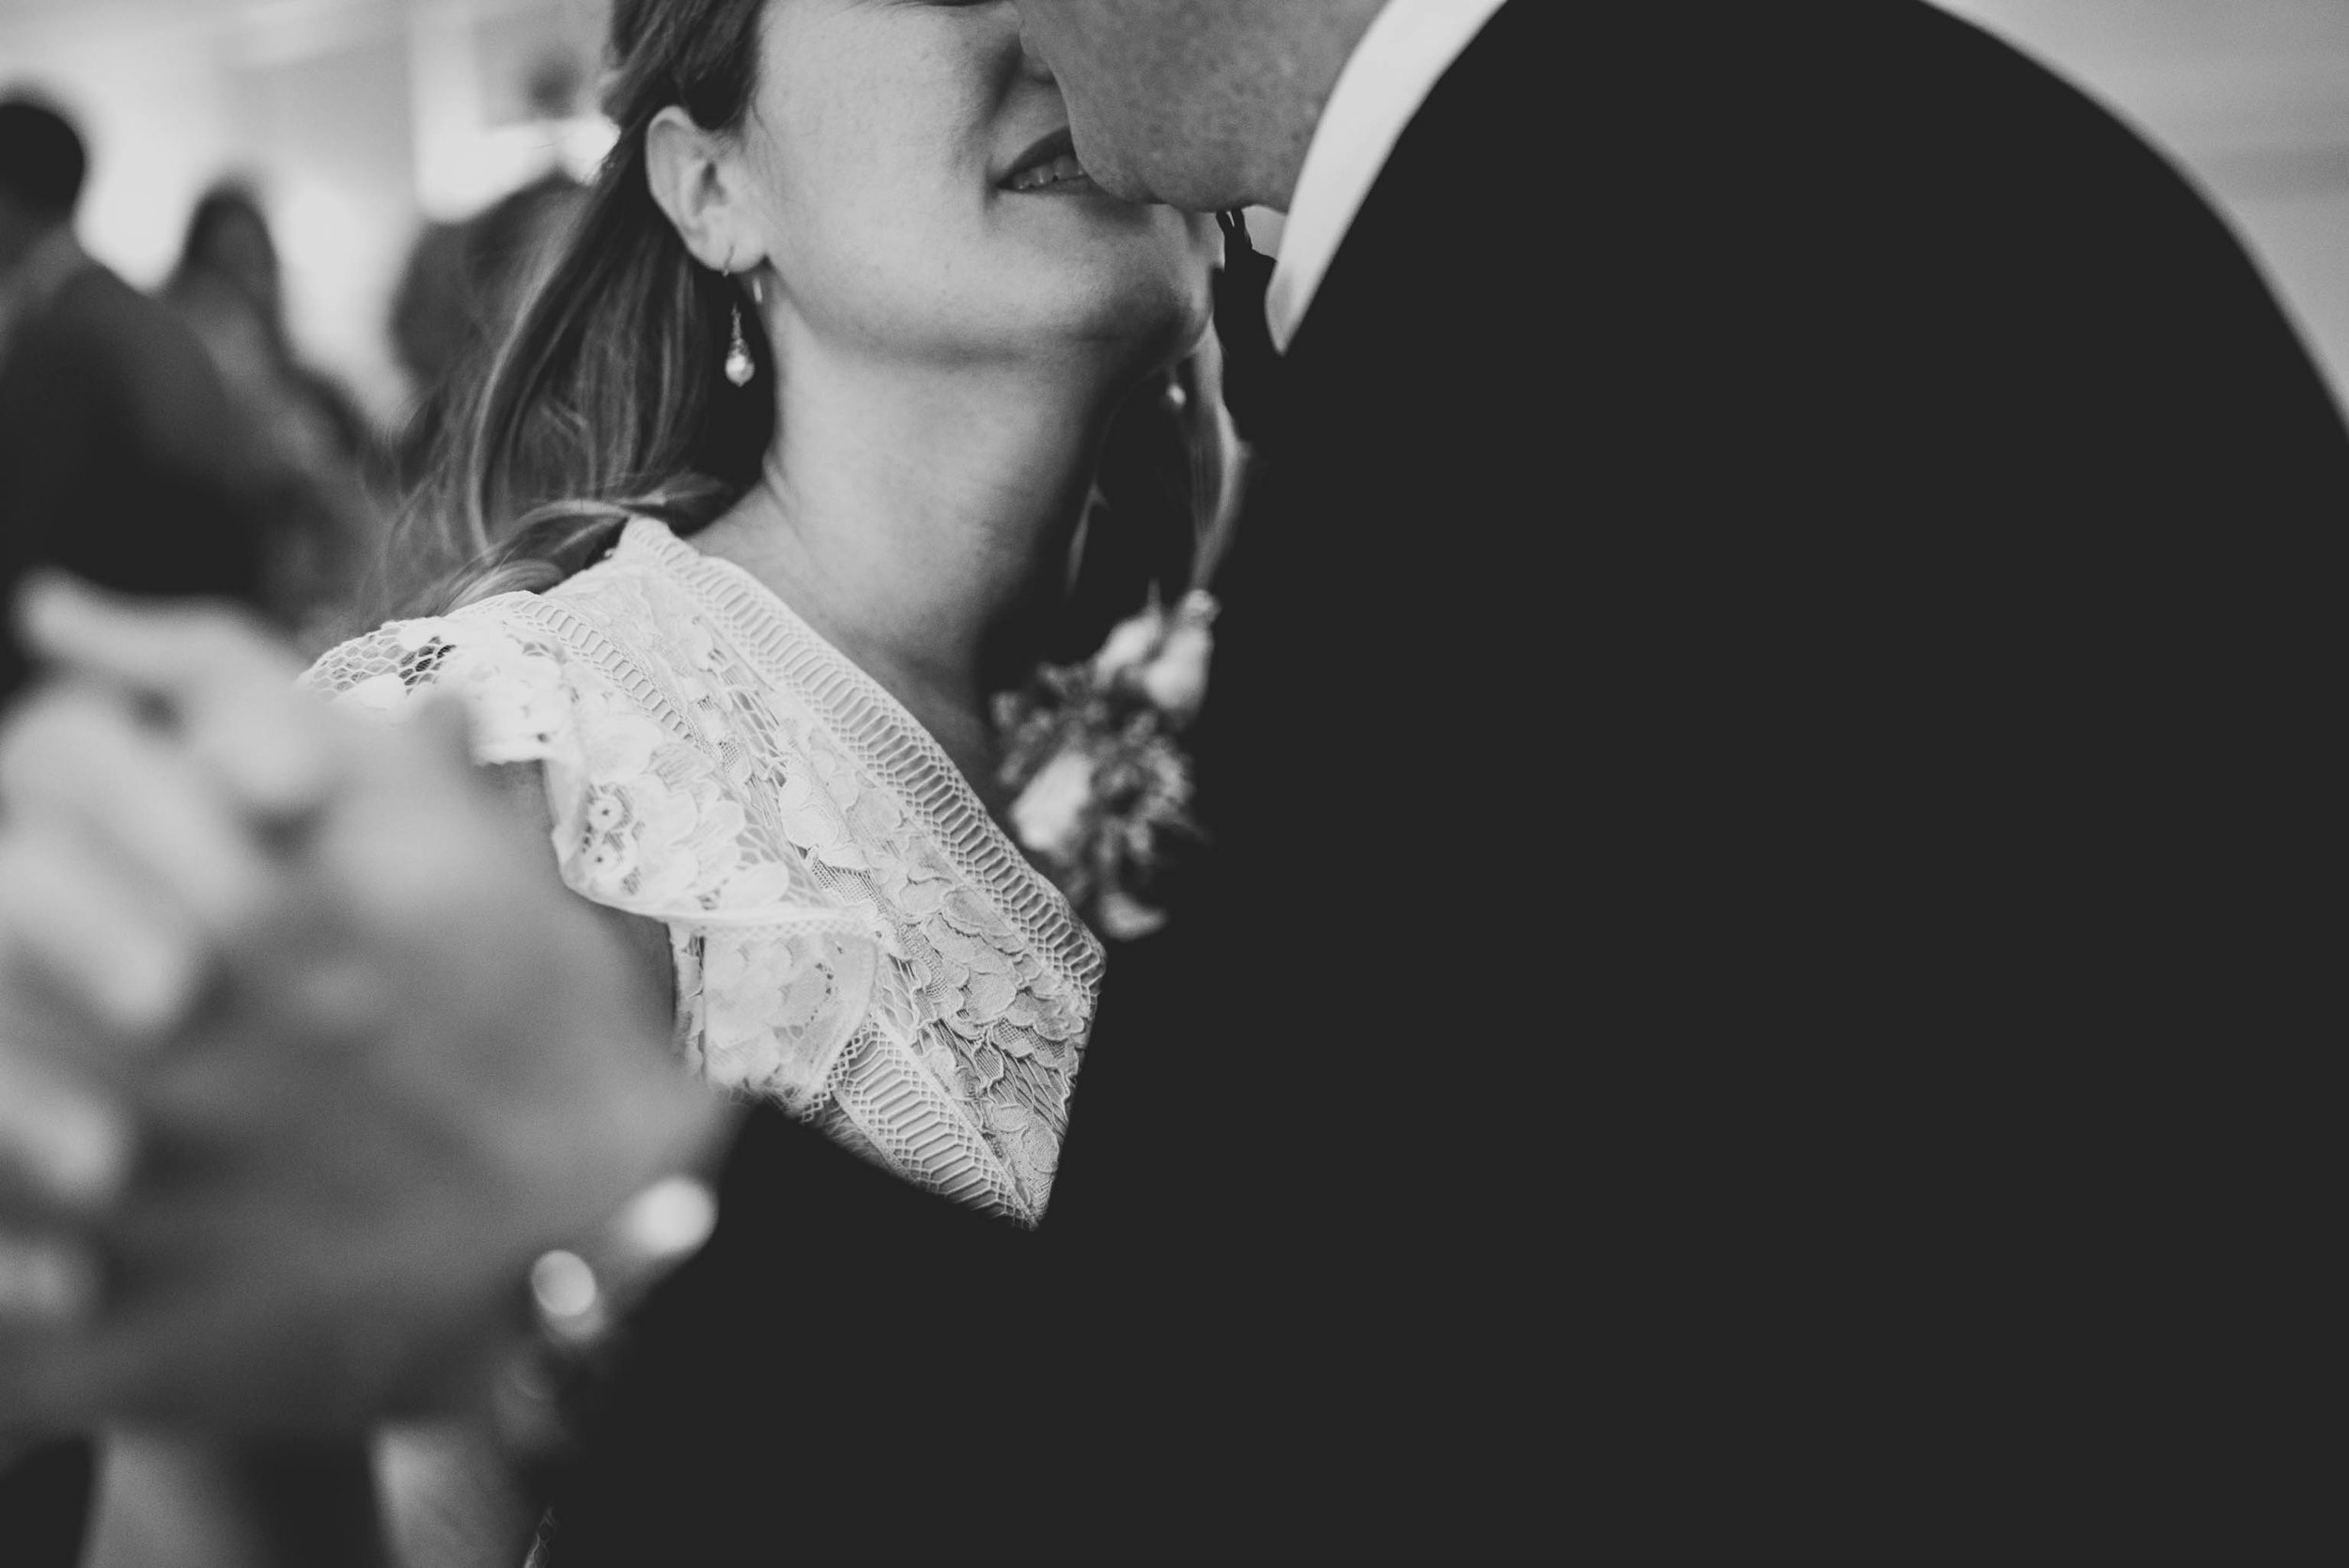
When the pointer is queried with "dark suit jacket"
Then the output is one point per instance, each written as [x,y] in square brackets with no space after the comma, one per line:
[121,458]
[1782,600]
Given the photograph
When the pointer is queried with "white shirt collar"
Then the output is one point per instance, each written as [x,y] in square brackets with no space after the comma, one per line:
[1398,62]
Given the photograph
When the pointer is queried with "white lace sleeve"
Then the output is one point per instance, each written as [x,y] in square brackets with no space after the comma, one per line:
[774,972]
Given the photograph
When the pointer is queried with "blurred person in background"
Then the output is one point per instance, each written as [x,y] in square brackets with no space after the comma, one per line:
[122,458]
[459,292]
[227,286]
[465,282]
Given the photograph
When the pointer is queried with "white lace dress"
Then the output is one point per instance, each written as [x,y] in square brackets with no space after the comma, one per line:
[854,937]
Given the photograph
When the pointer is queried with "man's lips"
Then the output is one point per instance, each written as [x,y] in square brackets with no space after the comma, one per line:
[1050,161]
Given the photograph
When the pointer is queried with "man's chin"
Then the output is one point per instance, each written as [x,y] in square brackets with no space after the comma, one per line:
[1118,182]
[1116,175]
[1164,187]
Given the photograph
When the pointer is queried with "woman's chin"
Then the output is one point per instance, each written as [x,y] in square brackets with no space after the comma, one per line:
[1182,340]
[1163,341]
[1146,317]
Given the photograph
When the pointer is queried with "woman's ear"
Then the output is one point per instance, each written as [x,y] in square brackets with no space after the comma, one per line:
[696,179]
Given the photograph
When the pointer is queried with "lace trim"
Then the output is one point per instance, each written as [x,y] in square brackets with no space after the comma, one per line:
[645,820]
[889,742]
[900,1114]
[852,933]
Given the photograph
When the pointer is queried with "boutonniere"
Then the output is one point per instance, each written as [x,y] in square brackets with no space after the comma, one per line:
[1093,754]
[1102,785]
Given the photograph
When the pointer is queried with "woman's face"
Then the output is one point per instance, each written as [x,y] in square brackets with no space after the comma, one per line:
[916,194]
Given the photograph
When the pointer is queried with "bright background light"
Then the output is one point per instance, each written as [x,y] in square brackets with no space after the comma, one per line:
[2251,97]
[356,120]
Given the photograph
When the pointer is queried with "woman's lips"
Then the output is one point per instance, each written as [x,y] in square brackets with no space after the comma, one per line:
[1048,167]
[1061,173]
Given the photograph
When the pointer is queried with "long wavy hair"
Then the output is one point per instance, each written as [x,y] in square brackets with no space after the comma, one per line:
[605,400]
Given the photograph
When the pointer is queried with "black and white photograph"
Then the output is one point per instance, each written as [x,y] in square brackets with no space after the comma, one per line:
[1143,781]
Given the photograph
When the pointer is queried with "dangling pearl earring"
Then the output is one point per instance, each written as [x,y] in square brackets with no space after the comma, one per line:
[741,367]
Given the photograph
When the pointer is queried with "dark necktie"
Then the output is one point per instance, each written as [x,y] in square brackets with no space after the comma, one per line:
[1252,367]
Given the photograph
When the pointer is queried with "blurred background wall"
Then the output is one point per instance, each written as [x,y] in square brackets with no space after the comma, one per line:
[362,118]
[2251,96]
[358,120]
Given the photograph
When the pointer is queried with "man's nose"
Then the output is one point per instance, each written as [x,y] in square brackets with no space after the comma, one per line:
[1032,62]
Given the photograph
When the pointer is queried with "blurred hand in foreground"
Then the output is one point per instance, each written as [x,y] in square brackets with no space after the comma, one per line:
[305,1053]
